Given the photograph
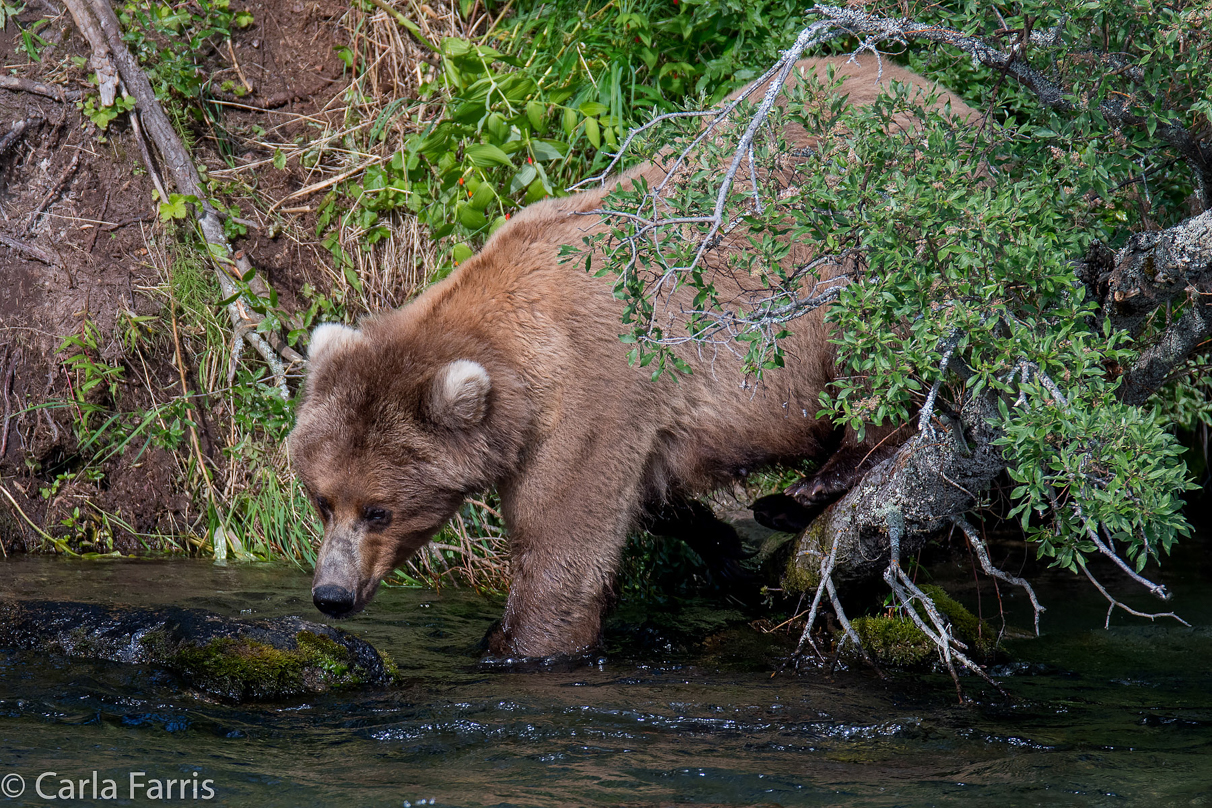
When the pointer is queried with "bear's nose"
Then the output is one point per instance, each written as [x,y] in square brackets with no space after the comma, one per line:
[333,600]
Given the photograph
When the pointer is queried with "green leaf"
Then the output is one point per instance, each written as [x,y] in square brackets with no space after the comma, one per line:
[483,155]
[593,133]
[522,179]
[482,196]
[535,112]
[545,151]
[471,218]
[593,109]
[352,277]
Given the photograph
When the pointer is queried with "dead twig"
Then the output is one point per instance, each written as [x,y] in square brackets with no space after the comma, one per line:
[5,386]
[1115,604]
[15,131]
[92,241]
[320,186]
[30,251]
[55,190]
[18,84]
[236,64]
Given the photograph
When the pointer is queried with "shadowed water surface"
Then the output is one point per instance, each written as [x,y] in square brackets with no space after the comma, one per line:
[1119,717]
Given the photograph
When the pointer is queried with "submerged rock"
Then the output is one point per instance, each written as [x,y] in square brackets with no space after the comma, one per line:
[237,660]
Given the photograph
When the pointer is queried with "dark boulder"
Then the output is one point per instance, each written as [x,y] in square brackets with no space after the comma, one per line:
[237,660]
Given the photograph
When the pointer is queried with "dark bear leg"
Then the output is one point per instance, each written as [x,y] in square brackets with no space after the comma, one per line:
[568,520]
[847,465]
[692,522]
[781,512]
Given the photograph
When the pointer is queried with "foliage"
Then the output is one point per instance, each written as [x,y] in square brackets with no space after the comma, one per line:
[30,41]
[544,107]
[949,251]
[101,115]
[173,41]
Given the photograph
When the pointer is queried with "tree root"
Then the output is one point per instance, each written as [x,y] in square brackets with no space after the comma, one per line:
[826,585]
[950,648]
[30,251]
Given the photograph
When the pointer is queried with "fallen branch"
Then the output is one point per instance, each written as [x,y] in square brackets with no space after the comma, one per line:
[30,251]
[97,17]
[15,131]
[18,84]
[101,60]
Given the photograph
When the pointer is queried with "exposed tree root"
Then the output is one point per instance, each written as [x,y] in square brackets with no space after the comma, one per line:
[950,648]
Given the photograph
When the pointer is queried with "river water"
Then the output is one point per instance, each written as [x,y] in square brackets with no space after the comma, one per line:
[1095,718]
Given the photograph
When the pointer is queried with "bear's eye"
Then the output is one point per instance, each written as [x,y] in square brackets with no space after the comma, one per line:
[324,507]
[376,517]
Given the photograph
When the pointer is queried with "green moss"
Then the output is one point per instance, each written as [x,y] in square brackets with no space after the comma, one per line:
[895,641]
[891,641]
[803,572]
[977,634]
[243,668]
[389,664]
[327,654]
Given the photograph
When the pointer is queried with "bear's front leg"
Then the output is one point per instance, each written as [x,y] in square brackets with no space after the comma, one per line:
[565,551]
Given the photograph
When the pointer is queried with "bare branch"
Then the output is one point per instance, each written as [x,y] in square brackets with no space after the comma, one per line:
[1115,604]
[18,84]
[923,419]
[1159,591]
[607,172]
[982,552]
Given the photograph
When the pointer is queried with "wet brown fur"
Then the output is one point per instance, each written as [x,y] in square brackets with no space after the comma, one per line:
[576,441]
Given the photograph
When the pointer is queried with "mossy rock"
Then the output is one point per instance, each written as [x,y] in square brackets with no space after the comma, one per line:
[237,660]
[896,641]
[803,570]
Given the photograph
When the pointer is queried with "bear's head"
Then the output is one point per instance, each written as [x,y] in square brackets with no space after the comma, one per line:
[389,441]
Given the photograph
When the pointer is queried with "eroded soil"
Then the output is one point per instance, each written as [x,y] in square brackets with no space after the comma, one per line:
[80,235]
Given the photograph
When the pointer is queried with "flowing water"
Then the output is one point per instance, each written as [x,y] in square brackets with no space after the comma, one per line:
[1096,717]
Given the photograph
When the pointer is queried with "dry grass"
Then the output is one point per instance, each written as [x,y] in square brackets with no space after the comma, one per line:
[362,125]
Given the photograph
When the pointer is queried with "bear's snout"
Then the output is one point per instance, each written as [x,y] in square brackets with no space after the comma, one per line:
[333,600]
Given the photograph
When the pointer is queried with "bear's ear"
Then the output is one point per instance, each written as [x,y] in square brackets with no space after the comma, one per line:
[459,398]
[329,338]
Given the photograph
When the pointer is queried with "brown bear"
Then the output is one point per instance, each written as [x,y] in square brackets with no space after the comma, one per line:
[510,373]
